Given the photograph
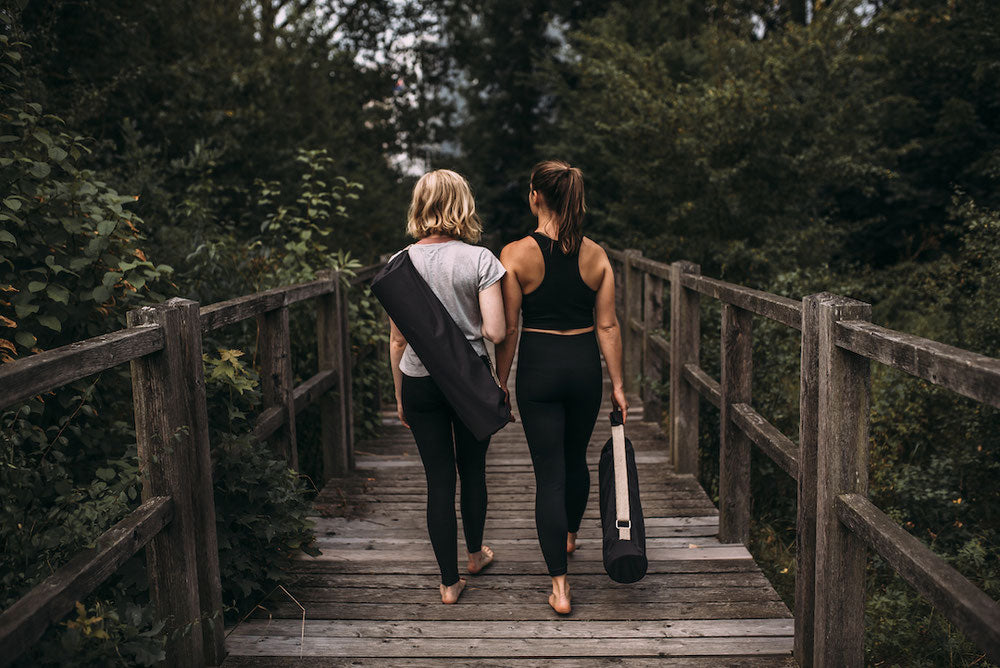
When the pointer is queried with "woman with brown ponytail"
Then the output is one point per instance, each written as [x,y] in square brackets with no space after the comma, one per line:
[562,284]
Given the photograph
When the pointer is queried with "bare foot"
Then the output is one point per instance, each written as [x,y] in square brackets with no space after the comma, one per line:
[559,599]
[450,594]
[570,543]
[480,560]
[560,604]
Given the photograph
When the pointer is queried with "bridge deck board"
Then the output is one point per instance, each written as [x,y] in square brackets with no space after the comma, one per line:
[371,597]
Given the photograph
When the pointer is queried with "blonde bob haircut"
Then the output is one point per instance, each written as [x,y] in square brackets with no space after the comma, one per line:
[442,204]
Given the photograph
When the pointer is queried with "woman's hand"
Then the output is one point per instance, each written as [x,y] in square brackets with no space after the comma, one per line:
[618,397]
[402,417]
[510,409]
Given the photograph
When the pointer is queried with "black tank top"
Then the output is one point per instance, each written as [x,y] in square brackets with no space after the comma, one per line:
[562,301]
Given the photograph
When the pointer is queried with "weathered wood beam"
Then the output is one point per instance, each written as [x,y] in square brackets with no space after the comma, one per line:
[163,437]
[965,605]
[805,522]
[661,347]
[703,384]
[232,311]
[734,444]
[685,345]
[304,394]
[775,445]
[652,360]
[969,374]
[841,467]
[28,376]
[631,321]
[26,620]
[653,268]
[773,307]
[276,380]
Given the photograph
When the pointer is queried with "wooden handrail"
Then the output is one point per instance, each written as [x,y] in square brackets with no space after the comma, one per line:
[176,521]
[26,620]
[837,343]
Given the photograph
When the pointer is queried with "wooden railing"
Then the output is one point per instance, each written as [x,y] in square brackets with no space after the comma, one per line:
[176,520]
[836,522]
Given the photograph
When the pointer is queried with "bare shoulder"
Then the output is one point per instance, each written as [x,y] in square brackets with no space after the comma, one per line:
[592,253]
[516,251]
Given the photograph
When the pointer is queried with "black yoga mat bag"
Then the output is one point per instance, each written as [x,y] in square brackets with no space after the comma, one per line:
[621,513]
[465,379]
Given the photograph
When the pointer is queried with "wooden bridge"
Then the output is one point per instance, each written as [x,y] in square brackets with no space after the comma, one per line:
[370,597]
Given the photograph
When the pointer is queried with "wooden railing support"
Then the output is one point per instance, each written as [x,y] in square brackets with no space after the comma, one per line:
[805,533]
[202,488]
[652,369]
[734,444]
[329,342]
[631,339]
[164,439]
[276,380]
[685,334]
[841,468]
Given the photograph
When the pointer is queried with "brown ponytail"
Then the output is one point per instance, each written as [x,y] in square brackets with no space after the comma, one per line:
[562,188]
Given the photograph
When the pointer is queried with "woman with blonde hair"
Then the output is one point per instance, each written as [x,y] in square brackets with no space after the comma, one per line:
[465,278]
[561,283]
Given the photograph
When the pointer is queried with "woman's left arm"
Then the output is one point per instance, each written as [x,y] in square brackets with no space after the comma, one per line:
[397,344]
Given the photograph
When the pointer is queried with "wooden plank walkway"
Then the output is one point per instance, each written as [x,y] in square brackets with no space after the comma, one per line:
[371,598]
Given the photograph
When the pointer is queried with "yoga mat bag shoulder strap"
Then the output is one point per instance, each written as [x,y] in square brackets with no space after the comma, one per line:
[624,545]
[464,378]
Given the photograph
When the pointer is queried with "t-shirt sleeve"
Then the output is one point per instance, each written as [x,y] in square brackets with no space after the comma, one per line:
[490,269]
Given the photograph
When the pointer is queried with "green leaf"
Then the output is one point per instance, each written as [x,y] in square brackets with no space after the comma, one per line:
[40,169]
[42,135]
[36,286]
[51,322]
[57,154]
[12,203]
[100,294]
[26,339]
[106,227]
[8,237]
[23,310]
[6,139]
[105,474]
[58,293]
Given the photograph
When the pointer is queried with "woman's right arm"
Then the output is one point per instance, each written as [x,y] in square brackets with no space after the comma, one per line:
[397,344]
[511,289]
[609,335]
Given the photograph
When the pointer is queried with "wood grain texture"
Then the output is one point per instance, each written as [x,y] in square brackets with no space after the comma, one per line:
[235,310]
[969,374]
[703,384]
[841,467]
[951,594]
[26,620]
[805,522]
[276,382]
[775,445]
[28,376]
[734,444]
[199,467]
[652,373]
[632,336]
[685,337]
[163,437]
[771,306]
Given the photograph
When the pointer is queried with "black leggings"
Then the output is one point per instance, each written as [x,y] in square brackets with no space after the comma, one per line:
[443,440]
[559,387]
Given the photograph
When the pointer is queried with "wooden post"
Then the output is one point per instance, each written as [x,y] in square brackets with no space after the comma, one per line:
[805,524]
[164,443]
[652,310]
[276,379]
[734,444]
[202,489]
[333,443]
[841,467]
[344,415]
[631,339]
[685,336]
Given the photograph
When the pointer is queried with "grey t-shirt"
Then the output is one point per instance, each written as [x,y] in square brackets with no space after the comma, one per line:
[456,272]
